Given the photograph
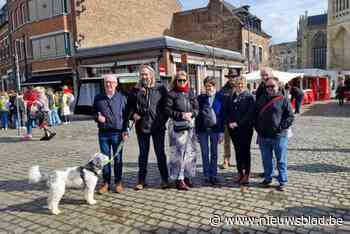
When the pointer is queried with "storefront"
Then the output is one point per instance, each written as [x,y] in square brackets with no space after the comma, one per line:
[164,54]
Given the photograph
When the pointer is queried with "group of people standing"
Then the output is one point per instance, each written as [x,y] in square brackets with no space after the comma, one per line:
[191,119]
[36,107]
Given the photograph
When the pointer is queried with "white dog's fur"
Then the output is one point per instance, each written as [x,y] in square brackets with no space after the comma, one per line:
[59,180]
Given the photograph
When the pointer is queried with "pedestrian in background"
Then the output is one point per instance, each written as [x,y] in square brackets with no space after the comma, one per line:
[147,102]
[240,120]
[42,114]
[210,127]
[297,94]
[66,103]
[273,117]
[4,110]
[341,90]
[182,108]
[111,114]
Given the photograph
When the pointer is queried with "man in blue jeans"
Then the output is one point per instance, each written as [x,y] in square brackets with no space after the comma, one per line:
[111,115]
[274,116]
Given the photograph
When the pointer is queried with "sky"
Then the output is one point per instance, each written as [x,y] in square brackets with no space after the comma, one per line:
[279,17]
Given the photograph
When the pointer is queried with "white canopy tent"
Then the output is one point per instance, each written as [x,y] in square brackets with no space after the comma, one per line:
[284,77]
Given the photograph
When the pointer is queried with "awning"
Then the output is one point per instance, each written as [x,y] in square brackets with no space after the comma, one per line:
[48,80]
[284,77]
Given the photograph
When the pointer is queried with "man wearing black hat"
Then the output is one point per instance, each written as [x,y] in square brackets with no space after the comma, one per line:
[227,91]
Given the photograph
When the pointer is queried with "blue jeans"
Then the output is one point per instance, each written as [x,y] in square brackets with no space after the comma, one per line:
[55,117]
[30,124]
[109,142]
[210,158]
[279,145]
[158,144]
[4,119]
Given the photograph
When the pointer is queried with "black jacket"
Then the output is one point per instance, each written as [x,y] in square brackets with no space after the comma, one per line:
[276,118]
[296,93]
[179,102]
[241,109]
[115,110]
[149,103]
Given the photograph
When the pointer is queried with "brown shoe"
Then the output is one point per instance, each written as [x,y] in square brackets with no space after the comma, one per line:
[104,188]
[180,185]
[140,186]
[238,178]
[244,180]
[119,188]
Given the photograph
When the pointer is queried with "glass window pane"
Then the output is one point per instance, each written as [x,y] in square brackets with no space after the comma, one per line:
[36,48]
[45,47]
[44,9]
[60,45]
[32,10]
[57,7]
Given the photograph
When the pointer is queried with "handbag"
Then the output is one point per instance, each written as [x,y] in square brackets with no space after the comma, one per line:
[208,117]
[180,126]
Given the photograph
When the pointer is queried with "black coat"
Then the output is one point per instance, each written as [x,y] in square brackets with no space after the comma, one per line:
[241,109]
[179,102]
[149,104]
[278,117]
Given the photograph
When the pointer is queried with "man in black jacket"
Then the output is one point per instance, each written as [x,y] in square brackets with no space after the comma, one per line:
[226,92]
[111,114]
[298,95]
[147,102]
[274,116]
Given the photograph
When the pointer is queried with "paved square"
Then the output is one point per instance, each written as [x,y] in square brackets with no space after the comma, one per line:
[319,174]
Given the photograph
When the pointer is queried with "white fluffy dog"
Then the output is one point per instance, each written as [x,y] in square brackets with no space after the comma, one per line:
[85,176]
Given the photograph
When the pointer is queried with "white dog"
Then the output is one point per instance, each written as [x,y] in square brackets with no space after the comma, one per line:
[85,176]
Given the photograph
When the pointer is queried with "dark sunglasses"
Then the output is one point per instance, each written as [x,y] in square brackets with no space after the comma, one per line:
[270,86]
[181,81]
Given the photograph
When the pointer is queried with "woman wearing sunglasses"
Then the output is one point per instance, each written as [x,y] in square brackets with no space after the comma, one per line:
[274,116]
[182,108]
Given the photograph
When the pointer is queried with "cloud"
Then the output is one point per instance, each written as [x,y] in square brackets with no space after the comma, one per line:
[279,18]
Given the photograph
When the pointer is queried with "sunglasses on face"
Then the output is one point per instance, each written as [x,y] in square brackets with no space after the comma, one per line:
[181,81]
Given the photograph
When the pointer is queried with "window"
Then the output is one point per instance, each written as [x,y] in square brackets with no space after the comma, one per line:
[24,18]
[246,52]
[19,16]
[14,19]
[260,54]
[254,51]
[292,60]
[319,50]
[51,47]
[43,9]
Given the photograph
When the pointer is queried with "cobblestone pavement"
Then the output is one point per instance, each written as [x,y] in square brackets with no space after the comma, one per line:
[319,171]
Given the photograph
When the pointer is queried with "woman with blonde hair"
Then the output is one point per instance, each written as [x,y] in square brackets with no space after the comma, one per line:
[182,108]
[4,110]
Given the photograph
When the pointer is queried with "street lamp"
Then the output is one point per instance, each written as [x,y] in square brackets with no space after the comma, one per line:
[18,85]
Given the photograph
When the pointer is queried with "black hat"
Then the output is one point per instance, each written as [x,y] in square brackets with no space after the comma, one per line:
[232,73]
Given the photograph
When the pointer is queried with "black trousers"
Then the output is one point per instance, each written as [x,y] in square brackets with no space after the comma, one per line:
[242,138]
[144,145]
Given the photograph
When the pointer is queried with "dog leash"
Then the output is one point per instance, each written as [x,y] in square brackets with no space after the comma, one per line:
[120,146]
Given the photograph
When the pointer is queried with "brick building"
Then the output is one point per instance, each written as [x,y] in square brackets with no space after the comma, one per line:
[46,33]
[5,55]
[41,38]
[222,25]
[283,56]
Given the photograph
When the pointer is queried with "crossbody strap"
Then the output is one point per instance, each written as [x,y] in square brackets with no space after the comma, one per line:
[270,103]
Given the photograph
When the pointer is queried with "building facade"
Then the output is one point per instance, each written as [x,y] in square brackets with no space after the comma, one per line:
[312,41]
[6,80]
[45,34]
[283,56]
[222,25]
[338,34]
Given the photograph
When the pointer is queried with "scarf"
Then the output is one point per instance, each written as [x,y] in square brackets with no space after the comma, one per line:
[184,89]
